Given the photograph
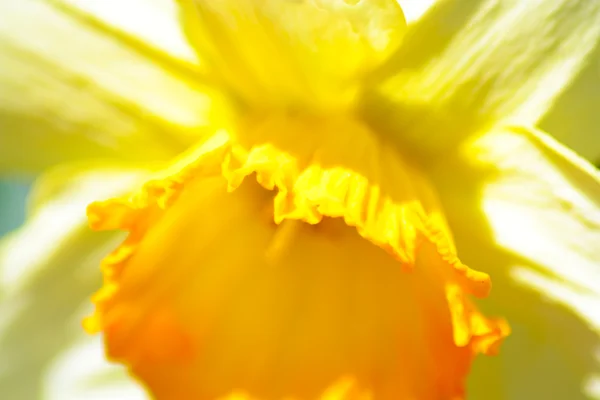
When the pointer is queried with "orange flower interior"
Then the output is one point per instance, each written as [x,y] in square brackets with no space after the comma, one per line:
[280,262]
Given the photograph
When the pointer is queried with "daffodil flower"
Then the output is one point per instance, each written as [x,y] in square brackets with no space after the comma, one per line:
[298,189]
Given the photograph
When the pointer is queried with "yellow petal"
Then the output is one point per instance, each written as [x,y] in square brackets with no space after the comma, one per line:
[47,270]
[104,95]
[288,53]
[528,212]
[467,65]
[226,288]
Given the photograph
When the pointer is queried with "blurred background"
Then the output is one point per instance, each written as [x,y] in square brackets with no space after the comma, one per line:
[13,195]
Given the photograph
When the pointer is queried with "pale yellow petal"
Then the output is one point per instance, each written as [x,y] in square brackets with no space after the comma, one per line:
[527,210]
[156,24]
[74,87]
[48,268]
[467,65]
[545,194]
[574,118]
[82,373]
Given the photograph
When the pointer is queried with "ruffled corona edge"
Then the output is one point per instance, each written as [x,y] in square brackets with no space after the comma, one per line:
[366,184]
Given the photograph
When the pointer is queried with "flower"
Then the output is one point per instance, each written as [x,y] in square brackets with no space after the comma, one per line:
[409,141]
[256,265]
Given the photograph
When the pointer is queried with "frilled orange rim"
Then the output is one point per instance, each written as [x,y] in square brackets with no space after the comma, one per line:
[365,184]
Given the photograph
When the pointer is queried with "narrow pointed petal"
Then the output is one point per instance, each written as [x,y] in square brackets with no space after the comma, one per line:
[467,65]
[48,269]
[106,94]
[528,211]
